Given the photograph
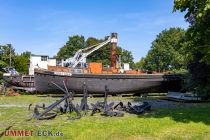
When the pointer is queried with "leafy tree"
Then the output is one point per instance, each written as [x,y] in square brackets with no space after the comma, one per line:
[71,47]
[101,55]
[165,52]
[19,62]
[26,54]
[198,42]
[126,56]
[22,61]
[196,10]
[5,55]
[140,64]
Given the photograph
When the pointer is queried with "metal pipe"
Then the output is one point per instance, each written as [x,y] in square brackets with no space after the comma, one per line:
[113,49]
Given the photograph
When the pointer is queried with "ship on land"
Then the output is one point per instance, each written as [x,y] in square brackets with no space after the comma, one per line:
[96,78]
[14,78]
[116,83]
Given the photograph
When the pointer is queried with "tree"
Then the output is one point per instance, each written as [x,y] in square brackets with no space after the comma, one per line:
[101,55]
[165,52]
[26,54]
[22,61]
[197,11]
[140,64]
[5,55]
[126,56]
[71,47]
[198,42]
[19,62]
[198,15]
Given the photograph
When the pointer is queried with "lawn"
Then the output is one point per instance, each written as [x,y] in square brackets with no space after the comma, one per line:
[160,123]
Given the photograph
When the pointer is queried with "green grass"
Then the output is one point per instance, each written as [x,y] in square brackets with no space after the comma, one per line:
[179,123]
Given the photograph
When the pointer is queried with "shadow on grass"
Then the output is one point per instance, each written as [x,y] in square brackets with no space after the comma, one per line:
[139,98]
[179,112]
[184,115]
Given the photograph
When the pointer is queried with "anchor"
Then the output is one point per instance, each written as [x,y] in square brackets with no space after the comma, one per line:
[68,105]
[106,108]
[84,105]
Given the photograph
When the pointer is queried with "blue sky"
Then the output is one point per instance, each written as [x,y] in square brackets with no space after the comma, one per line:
[43,26]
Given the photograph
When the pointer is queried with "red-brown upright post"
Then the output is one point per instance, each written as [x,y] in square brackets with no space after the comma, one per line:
[113,50]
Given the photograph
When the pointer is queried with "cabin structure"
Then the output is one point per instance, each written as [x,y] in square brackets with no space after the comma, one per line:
[44,61]
[40,61]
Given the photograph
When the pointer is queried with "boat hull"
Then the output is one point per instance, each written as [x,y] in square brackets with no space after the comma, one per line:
[116,83]
[19,80]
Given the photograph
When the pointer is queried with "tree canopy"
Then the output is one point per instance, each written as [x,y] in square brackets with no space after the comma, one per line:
[198,42]
[5,55]
[196,10]
[166,52]
[21,62]
[102,55]
[72,45]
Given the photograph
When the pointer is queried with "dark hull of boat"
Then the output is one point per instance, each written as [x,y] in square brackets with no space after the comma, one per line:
[20,80]
[116,83]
